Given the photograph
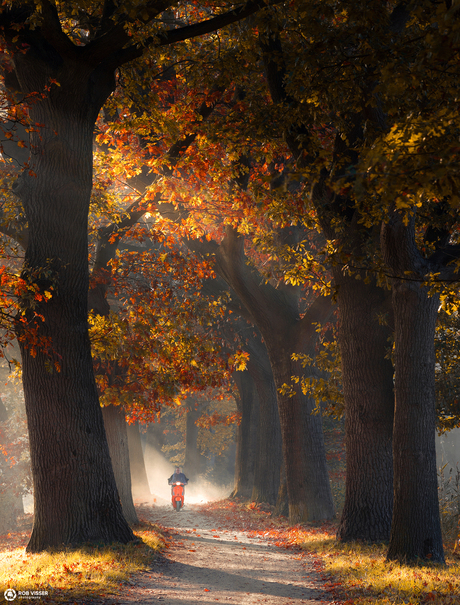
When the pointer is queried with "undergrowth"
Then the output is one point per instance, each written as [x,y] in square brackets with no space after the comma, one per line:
[87,572]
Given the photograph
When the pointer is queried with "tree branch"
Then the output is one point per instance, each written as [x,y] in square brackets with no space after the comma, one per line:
[197,29]
[19,233]
[52,30]
[112,35]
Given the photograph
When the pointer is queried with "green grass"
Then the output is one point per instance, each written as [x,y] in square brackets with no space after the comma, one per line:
[80,573]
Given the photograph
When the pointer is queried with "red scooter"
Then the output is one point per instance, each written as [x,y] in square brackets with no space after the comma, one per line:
[177,495]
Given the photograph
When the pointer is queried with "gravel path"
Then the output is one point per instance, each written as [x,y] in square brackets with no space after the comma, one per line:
[207,565]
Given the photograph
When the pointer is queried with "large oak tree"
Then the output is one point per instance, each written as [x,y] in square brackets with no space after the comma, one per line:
[67,55]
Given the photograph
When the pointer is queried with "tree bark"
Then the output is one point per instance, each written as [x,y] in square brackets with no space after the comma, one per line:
[269,451]
[75,494]
[115,425]
[246,437]
[282,503]
[367,372]
[139,481]
[307,477]
[367,379]
[416,527]
[117,438]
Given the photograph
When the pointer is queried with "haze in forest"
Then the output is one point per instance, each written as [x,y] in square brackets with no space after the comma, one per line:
[159,470]
[200,491]
[448,451]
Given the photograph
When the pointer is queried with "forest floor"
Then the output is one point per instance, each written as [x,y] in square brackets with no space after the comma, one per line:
[224,551]
[218,555]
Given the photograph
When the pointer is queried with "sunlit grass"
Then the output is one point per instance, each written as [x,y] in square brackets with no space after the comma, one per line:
[368,579]
[87,572]
[354,573]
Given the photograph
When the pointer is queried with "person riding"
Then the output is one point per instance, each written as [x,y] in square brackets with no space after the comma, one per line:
[177,477]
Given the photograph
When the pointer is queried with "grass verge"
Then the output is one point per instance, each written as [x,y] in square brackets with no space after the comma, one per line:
[85,573]
[361,575]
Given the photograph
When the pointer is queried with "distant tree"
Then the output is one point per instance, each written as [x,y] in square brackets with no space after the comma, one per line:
[447,349]
[139,481]
[13,463]
[246,435]
[213,431]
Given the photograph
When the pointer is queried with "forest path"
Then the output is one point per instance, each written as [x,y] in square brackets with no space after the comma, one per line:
[207,564]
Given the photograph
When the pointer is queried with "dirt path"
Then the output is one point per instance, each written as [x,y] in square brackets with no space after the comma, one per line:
[207,565]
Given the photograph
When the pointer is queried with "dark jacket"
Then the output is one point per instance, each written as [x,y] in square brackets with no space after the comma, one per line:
[177,477]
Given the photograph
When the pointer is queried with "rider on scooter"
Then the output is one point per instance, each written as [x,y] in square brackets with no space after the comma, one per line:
[177,477]
[177,481]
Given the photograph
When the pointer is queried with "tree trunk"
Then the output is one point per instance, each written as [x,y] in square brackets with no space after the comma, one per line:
[282,502]
[193,466]
[307,477]
[269,453]
[75,494]
[117,438]
[416,529]
[367,378]
[139,482]
[275,312]
[246,439]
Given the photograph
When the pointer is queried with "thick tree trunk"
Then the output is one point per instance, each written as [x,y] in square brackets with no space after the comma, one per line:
[246,439]
[367,378]
[269,453]
[307,477]
[75,494]
[117,438]
[416,529]
[139,482]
